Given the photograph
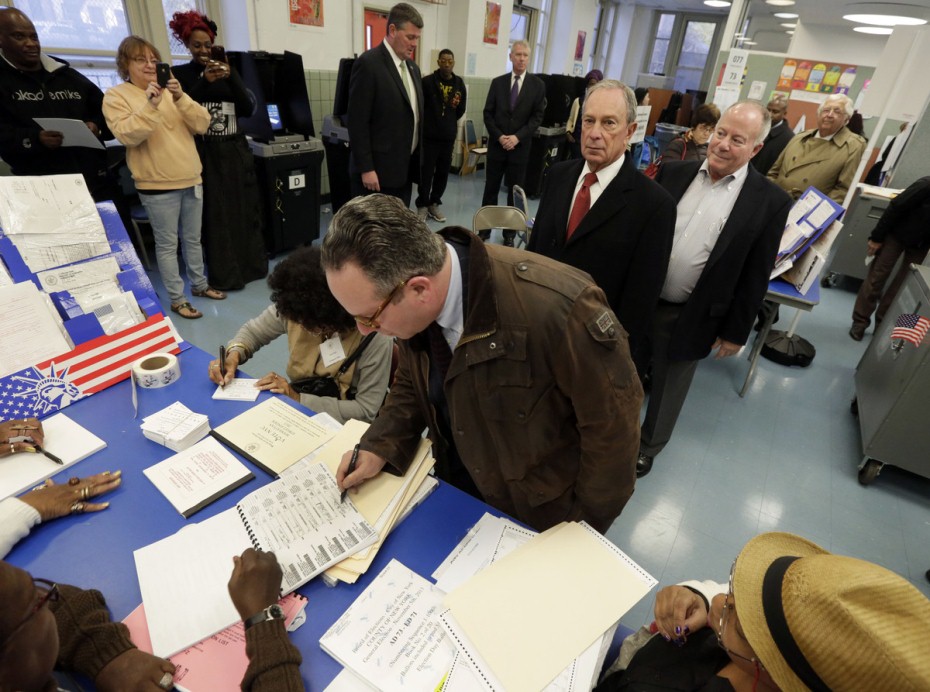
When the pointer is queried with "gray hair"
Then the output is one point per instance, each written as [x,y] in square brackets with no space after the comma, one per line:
[521,42]
[763,112]
[387,241]
[628,95]
[846,102]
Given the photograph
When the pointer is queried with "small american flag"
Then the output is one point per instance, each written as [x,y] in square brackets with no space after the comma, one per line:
[911,328]
[51,385]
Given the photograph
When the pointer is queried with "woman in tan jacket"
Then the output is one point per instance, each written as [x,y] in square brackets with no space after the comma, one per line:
[159,136]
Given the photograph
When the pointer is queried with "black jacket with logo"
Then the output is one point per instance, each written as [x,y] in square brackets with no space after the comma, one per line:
[56,91]
[440,118]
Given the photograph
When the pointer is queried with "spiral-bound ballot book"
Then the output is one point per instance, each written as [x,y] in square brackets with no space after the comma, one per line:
[183,577]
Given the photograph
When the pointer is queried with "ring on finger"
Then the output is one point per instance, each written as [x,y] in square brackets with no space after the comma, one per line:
[74,480]
[85,492]
[166,682]
[77,508]
[12,449]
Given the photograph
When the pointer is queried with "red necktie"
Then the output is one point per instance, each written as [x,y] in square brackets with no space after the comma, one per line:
[582,204]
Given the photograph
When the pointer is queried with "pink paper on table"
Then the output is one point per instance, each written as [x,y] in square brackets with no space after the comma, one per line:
[216,663]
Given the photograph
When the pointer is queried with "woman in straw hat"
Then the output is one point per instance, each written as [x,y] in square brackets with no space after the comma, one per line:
[793,617]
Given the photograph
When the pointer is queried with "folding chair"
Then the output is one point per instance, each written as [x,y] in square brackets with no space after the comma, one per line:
[471,152]
[520,202]
[509,218]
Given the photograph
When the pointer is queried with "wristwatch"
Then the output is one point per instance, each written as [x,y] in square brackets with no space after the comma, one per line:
[272,612]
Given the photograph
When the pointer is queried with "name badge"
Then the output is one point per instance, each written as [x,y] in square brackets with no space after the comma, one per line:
[331,351]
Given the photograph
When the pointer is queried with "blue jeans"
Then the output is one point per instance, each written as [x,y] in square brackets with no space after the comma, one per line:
[167,212]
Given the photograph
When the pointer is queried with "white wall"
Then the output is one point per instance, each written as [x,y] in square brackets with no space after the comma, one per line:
[631,40]
[836,44]
[568,18]
[458,25]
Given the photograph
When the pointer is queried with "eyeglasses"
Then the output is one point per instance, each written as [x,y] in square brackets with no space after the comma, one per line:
[139,60]
[45,591]
[729,605]
[372,322]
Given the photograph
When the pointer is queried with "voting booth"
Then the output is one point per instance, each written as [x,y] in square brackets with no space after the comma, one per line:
[288,157]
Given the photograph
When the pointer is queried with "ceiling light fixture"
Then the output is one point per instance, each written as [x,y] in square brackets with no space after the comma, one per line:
[780,3]
[790,32]
[884,19]
[717,3]
[789,25]
[881,30]
[786,15]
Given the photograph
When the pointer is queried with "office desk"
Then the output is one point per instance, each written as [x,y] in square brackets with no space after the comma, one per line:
[781,293]
[95,550]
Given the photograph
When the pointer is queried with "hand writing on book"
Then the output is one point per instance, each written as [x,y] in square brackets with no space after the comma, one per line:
[368,465]
[255,582]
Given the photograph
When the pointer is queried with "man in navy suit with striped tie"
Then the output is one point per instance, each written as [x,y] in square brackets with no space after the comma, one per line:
[513,111]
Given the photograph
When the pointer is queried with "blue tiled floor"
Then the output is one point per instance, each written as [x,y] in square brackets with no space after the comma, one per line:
[782,458]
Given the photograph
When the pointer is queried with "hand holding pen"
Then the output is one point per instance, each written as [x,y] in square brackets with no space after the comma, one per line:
[353,462]
[20,435]
[357,467]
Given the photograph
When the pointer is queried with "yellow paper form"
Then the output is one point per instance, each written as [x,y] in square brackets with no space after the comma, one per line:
[529,614]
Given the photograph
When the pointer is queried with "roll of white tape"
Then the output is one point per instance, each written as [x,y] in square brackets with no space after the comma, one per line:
[156,370]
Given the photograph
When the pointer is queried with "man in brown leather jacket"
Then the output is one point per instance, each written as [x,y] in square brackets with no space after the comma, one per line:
[514,362]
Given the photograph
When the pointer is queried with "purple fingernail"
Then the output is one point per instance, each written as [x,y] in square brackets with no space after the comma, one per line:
[677,630]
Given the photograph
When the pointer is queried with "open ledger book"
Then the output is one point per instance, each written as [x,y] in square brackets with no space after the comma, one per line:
[300,518]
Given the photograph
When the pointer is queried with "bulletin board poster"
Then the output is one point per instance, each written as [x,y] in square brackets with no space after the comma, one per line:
[492,22]
[579,45]
[816,77]
[306,12]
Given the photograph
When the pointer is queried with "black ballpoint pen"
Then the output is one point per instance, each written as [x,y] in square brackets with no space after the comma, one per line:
[352,462]
[49,455]
[223,366]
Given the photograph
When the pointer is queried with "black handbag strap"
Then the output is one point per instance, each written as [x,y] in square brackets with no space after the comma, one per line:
[347,363]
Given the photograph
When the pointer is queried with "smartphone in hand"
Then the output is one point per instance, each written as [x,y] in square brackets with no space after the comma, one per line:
[218,53]
[162,74]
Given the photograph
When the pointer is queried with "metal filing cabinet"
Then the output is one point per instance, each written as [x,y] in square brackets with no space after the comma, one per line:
[893,389]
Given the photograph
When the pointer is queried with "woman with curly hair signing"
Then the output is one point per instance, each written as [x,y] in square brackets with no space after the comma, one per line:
[321,338]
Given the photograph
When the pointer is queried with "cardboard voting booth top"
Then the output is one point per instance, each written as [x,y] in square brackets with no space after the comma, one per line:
[103,349]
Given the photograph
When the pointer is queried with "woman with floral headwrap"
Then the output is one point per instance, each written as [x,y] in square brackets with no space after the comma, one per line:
[232,225]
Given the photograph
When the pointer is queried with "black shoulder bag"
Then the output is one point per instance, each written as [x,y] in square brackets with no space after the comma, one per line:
[328,385]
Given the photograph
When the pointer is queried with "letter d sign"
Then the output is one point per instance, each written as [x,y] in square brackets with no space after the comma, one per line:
[295,181]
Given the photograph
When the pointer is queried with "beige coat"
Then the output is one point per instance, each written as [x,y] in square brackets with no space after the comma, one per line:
[826,165]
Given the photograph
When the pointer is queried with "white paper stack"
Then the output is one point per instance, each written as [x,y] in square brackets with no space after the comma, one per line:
[176,427]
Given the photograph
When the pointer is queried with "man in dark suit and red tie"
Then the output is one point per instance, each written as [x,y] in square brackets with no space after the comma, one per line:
[386,110]
[601,215]
[730,222]
[514,109]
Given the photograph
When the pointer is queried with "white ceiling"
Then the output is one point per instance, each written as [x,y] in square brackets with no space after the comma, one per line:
[765,26]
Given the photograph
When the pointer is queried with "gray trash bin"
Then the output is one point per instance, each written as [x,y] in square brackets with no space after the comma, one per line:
[666,132]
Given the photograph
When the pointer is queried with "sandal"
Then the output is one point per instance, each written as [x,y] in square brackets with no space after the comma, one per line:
[209,292]
[187,311]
